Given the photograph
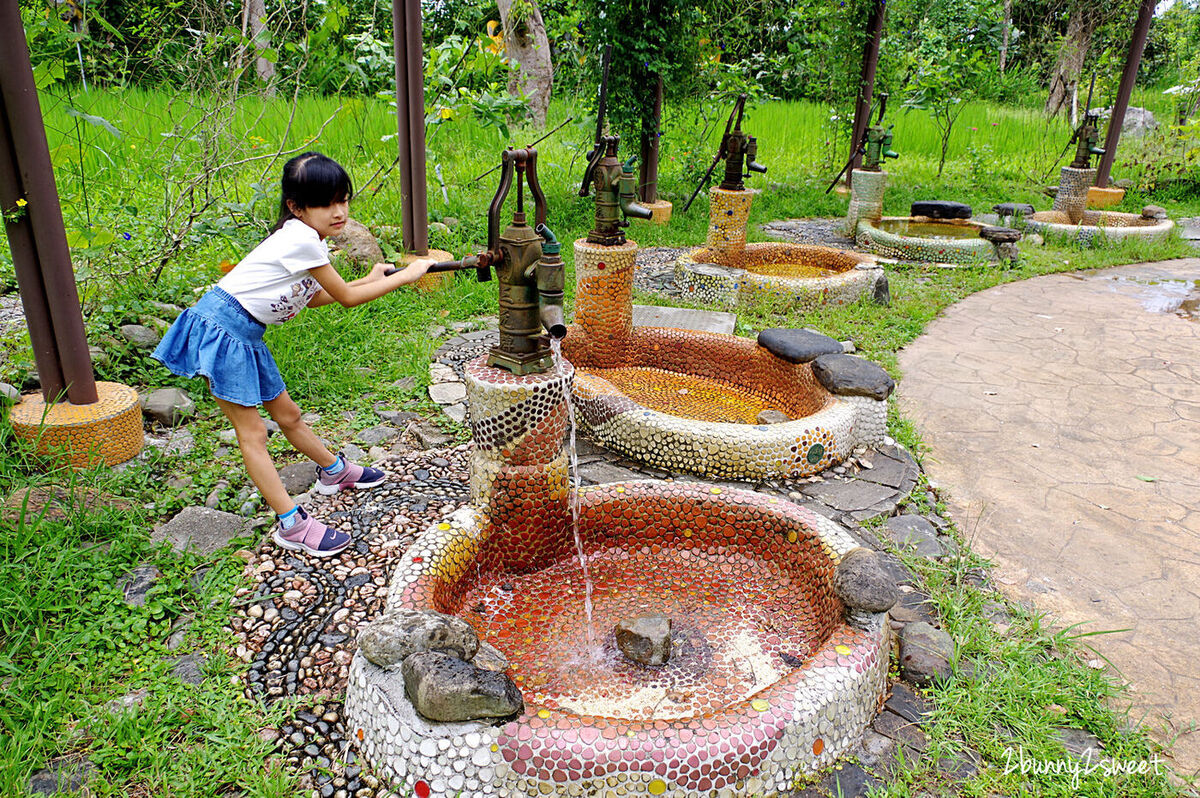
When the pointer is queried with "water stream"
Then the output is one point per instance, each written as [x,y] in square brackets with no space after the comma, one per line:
[573,496]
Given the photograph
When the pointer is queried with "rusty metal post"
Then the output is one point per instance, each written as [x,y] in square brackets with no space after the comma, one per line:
[648,188]
[39,247]
[1133,60]
[410,113]
[866,88]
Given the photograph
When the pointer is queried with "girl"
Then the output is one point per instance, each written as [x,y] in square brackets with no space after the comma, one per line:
[221,338]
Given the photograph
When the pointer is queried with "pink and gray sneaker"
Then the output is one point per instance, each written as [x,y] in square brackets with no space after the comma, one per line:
[311,537]
[351,476]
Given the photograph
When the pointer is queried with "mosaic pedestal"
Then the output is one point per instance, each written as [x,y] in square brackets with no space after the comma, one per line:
[770,678]
[106,432]
[1106,197]
[1072,196]
[728,214]
[866,199]
[604,300]
[1096,228]
[660,210]
[430,282]
[932,248]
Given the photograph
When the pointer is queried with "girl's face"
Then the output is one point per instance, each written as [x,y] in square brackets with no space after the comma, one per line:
[327,220]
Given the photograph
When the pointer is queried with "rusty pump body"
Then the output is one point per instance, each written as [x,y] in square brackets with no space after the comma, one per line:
[878,147]
[529,269]
[1087,139]
[738,150]
[615,185]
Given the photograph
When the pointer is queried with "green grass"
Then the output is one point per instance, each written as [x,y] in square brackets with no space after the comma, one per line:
[68,643]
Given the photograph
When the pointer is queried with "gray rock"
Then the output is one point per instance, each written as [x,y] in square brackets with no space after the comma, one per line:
[99,356]
[1137,121]
[446,689]
[797,346]
[357,243]
[940,209]
[772,417]
[1000,235]
[169,407]
[1078,742]
[61,776]
[227,436]
[489,658]
[429,436]
[129,702]
[847,375]
[298,477]
[438,228]
[450,221]
[925,654]
[398,633]
[457,413]
[862,584]
[882,292]
[395,417]
[914,532]
[137,583]
[1154,212]
[166,309]
[179,443]
[645,639]
[140,336]
[200,529]
[9,394]
[405,384]
[373,436]
[1013,209]
[353,454]
[448,393]
[189,668]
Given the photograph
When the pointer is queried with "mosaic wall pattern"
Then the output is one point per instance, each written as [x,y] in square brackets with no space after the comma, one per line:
[866,199]
[680,400]
[804,679]
[728,214]
[802,276]
[1097,227]
[928,250]
[1073,185]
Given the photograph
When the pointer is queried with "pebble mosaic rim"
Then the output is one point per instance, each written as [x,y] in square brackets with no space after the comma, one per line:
[760,746]
[801,447]
[917,248]
[107,431]
[851,274]
[1097,226]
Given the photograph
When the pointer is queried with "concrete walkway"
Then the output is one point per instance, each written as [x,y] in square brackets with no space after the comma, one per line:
[1063,414]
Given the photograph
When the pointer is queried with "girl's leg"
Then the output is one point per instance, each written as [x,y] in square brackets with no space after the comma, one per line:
[287,416]
[252,439]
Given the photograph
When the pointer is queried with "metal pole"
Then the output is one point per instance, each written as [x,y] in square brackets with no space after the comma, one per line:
[870,62]
[410,117]
[649,176]
[399,46]
[29,278]
[51,257]
[1132,61]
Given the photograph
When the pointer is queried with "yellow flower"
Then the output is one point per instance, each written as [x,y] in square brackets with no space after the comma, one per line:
[496,34]
[21,203]
[446,113]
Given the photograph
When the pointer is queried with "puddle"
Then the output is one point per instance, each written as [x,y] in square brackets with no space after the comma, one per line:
[1180,297]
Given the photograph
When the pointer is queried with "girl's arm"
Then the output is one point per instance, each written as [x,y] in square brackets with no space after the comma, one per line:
[364,289]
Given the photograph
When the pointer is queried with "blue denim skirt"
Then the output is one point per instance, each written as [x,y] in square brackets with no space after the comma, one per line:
[217,338]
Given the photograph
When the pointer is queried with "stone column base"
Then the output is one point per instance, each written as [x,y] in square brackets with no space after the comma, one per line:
[866,199]
[106,432]
[661,210]
[603,301]
[1104,197]
[1072,196]
[430,282]
[728,213]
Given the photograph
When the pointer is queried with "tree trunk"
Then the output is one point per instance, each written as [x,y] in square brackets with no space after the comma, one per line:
[648,178]
[1007,31]
[256,13]
[1071,55]
[526,42]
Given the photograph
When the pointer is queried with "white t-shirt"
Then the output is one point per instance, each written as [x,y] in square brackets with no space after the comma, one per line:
[272,283]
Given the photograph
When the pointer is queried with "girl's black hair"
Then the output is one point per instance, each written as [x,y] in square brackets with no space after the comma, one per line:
[312,180]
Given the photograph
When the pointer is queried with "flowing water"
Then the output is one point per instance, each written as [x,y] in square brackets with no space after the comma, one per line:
[573,496]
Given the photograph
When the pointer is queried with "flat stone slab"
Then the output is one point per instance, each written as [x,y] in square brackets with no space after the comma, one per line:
[798,346]
[892,467]
[940,209]
[915,533]
[1189,228]
[200,529]
[851,495]
[684,319]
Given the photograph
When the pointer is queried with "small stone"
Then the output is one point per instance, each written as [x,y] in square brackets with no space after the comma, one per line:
[62,775]
[429,436]
[881,293]
[925,654]
[1154,212]
[141,337]
[405,384]
[862,584]
[227,436]
[137,583]
[458,412]
[915,533]
[356,243]
[298,477]
[169,407]
[99,356]
[200,529]
[772,417]
[847,375]
[189,668]
[645,639]
[1000,235]
[489,658]
[1013,209]
[9,394]
[446,689]
[399,633]
[797,346]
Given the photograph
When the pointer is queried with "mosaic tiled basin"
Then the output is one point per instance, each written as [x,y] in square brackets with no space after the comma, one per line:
[918,238]
[797,275]
[1097,226]
[769,679]
[688,402]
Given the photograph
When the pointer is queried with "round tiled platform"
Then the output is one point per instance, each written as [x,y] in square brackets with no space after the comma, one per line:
[108,431]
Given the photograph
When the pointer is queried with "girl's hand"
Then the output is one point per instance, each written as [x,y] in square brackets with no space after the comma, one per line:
[418,267]
[379,271]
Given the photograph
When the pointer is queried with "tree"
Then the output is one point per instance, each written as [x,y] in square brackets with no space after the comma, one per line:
[527,45]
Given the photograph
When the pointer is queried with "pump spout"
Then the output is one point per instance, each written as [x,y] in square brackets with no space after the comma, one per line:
[627,199]
[752,163]
[551,279]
